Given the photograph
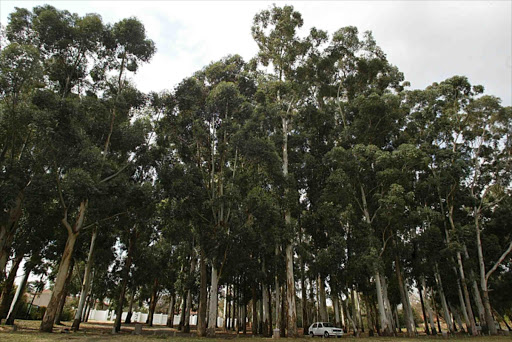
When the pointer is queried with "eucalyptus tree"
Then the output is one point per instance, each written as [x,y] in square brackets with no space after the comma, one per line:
[20,73]
[66,42]
[207,110]
[275,32]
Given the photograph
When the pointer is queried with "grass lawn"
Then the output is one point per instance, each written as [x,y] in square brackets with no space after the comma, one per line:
[29,331]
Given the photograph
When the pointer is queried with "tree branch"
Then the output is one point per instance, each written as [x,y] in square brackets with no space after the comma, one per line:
[105,219]
[106,179]
[500,260]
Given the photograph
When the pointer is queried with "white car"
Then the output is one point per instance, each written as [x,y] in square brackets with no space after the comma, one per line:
[324,329]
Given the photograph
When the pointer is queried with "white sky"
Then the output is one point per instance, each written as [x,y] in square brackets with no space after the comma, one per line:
[429,41]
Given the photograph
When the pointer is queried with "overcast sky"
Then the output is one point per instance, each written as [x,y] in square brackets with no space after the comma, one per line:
[429,41]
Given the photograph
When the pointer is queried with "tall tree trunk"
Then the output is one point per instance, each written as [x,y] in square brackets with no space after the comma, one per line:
[124,276]
[86,307]
[188,308]
[350,317]
[203,297]
[266,311]
[423,311]
[129,314]
[16,302]
[478,301]
[8,230]
[404,294]
[358,311]
[322,304]
[428,308]
[447,317]
[8,285]
[283,321]
[254,323]
[153,302]
[59,286]
[277,289]
[244,319]
[183,308]
[336,305]
[304,297]
[290,293]
[170,313]
[290,281]
[58,315]
[212,315]
[86,283]
[489,320]
[384,322]
[468,313]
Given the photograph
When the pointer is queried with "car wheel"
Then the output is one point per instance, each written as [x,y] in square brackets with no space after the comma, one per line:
[326,334]
[311,334]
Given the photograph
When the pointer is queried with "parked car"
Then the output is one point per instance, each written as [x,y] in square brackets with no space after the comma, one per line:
[325,329]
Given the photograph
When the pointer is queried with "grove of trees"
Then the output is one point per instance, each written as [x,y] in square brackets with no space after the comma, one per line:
[306,175]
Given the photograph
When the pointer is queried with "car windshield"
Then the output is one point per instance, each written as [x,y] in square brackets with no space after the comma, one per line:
[328,325]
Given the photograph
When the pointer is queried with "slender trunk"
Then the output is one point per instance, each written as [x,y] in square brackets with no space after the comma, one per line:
[153,301]
[351,318]
[423,311]
[58,315]
[86,307]
[181,325]
[387,304]
[244,319]
[336,304]
[489,321]
[428,308]
[304,297]
[398,326]
[447,317]
[462,304]
[212,315]
[203,297]
[8,285]
[8,230]
[188,308]
[384,322]
[409,320]
[129,314]
[124,276]
[354,309]
[290,282]
[277,299]
[170,313]
[86,283]
[322,304]
[88,311]
[478,300]
[290,293]
[16,302]
[59,287]
[265,321]
[358,312]
[254,323]
[457,317]
[468,312]
[283,321]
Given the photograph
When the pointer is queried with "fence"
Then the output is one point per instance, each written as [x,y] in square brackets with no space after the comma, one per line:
[140,317]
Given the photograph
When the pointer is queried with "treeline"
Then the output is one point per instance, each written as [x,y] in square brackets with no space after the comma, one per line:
[309,172]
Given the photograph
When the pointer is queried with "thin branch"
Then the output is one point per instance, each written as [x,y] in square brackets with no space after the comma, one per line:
[500,260]
[105,219]
[114,175]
